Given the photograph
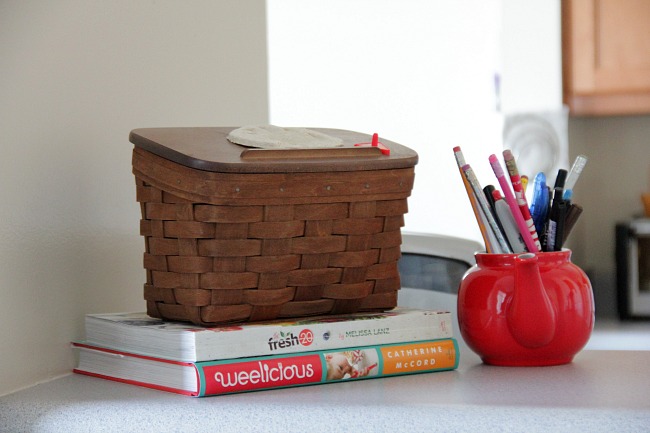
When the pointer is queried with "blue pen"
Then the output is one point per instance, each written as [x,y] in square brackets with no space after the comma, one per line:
[573,175]
[539,205]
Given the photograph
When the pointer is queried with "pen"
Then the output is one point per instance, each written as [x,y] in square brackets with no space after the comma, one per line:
[559,229]
[501,245]
[560,178]
[551,227]
[573,213]
[574,173]
[478,213]
[488,189]
[548,213]
[539,205]
[555,230]
[520,196]
[514,208]
[504,216]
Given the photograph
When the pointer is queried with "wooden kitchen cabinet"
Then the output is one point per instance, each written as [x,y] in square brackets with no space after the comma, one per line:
[606,56]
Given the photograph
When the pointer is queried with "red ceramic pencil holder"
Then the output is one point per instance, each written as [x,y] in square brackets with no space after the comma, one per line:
[526,309]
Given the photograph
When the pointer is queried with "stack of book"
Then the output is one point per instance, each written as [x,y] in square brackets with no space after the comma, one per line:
[186,359]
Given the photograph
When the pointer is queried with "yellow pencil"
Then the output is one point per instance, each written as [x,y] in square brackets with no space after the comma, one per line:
[488,237]
[524,182]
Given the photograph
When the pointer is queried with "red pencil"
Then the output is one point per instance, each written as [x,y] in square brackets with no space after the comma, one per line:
[520,195]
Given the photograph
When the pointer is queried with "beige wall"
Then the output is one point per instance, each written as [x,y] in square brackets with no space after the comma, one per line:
[75,78]
[617,173]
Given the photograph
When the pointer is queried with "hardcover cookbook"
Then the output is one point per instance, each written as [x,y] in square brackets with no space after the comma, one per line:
[269,372]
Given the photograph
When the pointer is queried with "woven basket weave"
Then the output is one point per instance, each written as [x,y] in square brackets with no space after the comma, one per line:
[249,246]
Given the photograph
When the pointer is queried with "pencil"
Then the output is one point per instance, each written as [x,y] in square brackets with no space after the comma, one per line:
[501,245]
[514,208]
[520,196]
[478,214]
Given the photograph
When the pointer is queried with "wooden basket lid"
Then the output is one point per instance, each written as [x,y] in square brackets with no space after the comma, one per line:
[207,148]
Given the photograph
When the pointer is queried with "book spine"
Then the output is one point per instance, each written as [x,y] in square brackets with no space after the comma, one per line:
[354,330]
[327,366]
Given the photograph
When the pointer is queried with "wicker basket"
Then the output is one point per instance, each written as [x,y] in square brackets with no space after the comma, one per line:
[235,234]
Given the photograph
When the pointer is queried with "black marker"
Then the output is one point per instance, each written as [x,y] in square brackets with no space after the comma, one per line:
[555,230]
[560,179]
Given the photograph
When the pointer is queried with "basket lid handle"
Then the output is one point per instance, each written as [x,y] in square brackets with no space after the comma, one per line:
[326,153]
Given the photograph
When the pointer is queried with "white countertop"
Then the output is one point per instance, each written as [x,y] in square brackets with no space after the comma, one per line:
[600,391]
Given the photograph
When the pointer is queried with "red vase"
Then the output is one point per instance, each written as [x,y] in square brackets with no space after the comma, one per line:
[526,309]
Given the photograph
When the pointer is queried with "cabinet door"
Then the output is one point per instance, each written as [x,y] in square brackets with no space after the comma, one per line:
[606,56]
